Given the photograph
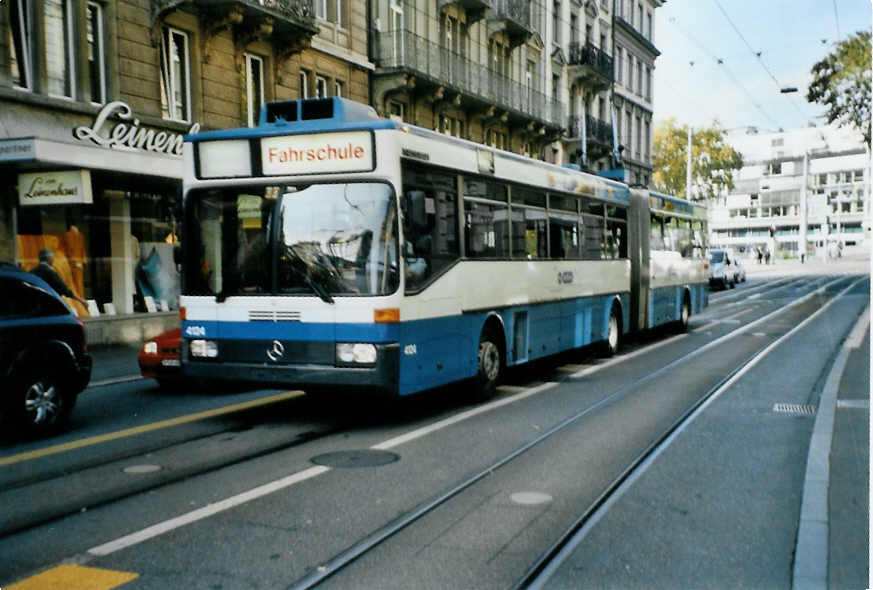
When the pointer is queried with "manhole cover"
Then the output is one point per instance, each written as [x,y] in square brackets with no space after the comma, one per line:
[351,459]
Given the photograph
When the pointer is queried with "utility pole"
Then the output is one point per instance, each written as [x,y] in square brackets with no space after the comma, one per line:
[804,215]
[688,167]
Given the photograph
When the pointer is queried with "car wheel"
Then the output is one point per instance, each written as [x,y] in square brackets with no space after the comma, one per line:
[490,365]
[43,406]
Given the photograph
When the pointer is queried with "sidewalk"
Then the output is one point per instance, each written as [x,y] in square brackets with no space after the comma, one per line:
[780,267]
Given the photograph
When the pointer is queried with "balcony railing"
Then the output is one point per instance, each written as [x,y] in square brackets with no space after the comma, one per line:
[593,57]
[515,18]
[595,129]
[405,51]
[300,12]
[475,9]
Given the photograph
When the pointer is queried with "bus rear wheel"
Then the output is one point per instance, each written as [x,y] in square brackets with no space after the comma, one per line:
[490,365]
[684,314]
[613,333]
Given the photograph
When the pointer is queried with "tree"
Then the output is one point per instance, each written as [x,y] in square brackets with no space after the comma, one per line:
[712,160]
[841,82]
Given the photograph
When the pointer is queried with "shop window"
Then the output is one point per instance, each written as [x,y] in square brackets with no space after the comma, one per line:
[320,87]
[19,41]
[175,75]
[96,53]
[58,23]
[254,88]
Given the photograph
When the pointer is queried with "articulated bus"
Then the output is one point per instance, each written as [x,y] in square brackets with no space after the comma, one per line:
[327,247]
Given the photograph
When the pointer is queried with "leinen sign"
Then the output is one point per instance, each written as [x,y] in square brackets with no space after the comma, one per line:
[127,134]
[68,187]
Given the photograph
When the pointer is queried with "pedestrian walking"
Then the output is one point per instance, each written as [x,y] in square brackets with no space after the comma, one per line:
[759,254]
[767,256]
[46,272]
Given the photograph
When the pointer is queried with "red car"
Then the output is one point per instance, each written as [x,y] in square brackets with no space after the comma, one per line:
[160,358]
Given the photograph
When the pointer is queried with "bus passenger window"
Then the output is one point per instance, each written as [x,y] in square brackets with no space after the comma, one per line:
[592,234]
[431,236]
[563,236]
[528,233]
[615,240]
[486,232]
[656,237]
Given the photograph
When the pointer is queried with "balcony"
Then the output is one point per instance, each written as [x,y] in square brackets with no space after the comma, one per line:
[433,65]
[590,65]
[475,9]
[288,24]
[596,130]
[514,18]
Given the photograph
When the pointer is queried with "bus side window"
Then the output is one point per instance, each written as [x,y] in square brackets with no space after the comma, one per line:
[429,227]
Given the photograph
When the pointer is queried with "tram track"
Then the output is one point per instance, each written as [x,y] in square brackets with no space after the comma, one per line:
[340,561]
[367,544]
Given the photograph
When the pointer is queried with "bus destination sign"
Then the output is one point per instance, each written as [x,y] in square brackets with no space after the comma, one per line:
[317,153]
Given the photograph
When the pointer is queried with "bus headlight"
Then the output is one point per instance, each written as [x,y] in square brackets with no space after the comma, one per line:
[204,348]
[356,352]
[150,347]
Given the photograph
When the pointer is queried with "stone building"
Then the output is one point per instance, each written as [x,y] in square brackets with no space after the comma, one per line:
[634,56]
[95,97]
[477,69]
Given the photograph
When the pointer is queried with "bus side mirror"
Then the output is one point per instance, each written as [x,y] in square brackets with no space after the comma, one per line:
[414,209]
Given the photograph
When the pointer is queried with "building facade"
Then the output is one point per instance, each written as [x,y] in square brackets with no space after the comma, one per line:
[634,57]
[799,190]
[476,69]
[95,98]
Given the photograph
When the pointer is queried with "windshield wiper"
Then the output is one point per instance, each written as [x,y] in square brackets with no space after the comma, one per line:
[316,286]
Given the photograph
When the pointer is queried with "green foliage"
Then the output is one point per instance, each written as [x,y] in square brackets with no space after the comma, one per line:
[841,82]
[712,161]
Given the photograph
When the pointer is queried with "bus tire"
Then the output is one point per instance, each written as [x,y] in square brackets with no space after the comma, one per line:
[684,314]
[613,333]
[490,364]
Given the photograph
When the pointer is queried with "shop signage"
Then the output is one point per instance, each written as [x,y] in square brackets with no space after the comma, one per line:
[315,153]
[67,187]
[17,149]
[126,132]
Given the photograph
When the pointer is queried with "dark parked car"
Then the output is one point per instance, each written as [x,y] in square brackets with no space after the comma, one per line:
[44,360]
[159,358]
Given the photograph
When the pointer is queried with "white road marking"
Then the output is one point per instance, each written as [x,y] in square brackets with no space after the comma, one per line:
[269,488]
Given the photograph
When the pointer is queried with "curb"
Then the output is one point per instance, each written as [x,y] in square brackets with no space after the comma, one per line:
[811,551]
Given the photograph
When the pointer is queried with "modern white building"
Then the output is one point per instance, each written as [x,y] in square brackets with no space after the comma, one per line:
[803,188]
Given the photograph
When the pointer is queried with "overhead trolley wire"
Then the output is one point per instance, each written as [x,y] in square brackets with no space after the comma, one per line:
[757,55]
[721,63]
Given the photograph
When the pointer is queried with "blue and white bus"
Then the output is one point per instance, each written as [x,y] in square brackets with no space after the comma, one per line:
[329,248]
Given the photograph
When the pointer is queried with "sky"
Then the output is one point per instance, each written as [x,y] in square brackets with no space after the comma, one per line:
[744,90]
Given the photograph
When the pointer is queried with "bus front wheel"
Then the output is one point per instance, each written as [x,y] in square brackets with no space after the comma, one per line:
[490,364]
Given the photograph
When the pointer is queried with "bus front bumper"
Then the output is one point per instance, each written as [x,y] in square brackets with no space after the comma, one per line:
[382,375]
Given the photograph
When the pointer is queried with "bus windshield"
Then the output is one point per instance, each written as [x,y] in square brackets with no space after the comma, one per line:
[317,240]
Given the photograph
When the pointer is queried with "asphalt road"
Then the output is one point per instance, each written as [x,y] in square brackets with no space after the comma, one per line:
[268,489]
